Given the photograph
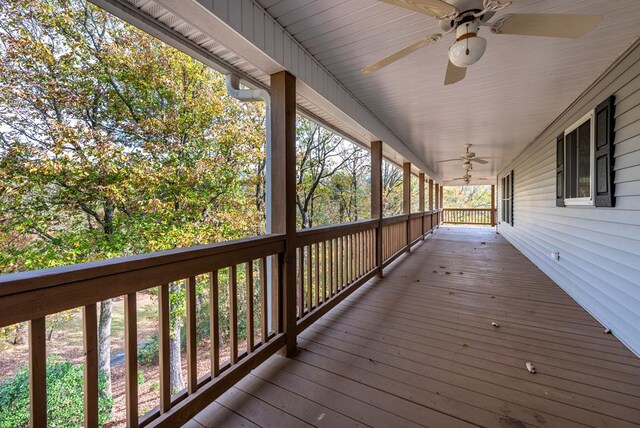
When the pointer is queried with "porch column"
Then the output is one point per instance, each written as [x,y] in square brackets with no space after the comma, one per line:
[437,203]
[376,198]
[431,203]
[493,205]
[442,196]
[406,199]
[421,199]
[281,194]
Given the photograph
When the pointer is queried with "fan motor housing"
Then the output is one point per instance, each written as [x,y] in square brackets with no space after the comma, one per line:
[464,6]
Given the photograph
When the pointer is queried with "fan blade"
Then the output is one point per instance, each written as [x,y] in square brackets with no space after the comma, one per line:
[545,24]
[429,40]
[454,74]
[449,160]
[435,8]
[480,161]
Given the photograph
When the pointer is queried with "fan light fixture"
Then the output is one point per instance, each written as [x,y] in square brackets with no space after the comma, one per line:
[468,48]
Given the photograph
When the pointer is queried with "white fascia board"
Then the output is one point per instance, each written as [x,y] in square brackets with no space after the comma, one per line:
[248,30]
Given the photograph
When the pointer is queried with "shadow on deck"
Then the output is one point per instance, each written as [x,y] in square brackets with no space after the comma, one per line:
[417,348]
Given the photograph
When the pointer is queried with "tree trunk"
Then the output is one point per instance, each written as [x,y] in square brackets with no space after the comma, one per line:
[104,342]
[175,361]
[175,355]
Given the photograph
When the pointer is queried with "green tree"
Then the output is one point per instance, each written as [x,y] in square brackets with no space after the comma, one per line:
[391,189]
[467,196]
[113,143]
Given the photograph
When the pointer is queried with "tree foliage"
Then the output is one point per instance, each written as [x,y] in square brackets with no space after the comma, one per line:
[467,196]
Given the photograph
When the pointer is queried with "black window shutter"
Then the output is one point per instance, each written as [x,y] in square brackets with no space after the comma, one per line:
[603,154]
[560,170]
[512,197]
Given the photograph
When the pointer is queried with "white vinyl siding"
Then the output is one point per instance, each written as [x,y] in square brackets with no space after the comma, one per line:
[599,247]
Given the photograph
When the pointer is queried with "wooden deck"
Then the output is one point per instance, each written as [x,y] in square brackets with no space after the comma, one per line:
[417,348]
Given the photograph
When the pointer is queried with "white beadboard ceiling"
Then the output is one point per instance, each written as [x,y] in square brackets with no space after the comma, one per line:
[509,97]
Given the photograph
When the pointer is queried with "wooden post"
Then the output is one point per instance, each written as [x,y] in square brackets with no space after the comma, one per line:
[90,340]
[442,196]
[437,203]
[421,192]
[376,198]
[493,205]
[430,194]
[131,359]
[421,201]
[38,373]
[281,172]
[406,199]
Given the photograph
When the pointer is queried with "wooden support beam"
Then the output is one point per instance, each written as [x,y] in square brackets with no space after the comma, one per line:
[406,199]
[282,176]
[406,187]
[376,198]
[421,201]
[441,196]
[421,192]
[430,194]
[493,205]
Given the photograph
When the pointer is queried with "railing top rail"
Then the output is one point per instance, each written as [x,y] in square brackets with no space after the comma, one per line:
[44,278]
[395,219]
[323,233]
[468,209]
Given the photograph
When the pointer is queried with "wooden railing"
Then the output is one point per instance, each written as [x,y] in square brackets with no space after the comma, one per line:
[331,263]
[483,216]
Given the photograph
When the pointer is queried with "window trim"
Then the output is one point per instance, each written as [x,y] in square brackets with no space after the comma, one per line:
[584,201]
[506,200]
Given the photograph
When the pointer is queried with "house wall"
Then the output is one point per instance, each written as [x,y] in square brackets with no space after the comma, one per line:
[599,247]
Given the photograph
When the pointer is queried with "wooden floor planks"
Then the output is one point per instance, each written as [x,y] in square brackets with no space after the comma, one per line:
[417,349]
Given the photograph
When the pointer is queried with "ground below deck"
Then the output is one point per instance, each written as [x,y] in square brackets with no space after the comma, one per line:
[417,348]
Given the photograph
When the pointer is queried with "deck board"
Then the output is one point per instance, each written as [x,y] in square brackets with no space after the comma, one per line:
[417,348]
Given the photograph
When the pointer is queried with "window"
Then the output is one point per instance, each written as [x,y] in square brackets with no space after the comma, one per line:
[585,158]
[578,168]
[507,198]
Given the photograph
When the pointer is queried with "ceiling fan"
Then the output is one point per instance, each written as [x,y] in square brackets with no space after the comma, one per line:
[467,157]
[467,178]
[465,17]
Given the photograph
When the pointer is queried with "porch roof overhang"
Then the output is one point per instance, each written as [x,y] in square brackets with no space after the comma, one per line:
[510,97]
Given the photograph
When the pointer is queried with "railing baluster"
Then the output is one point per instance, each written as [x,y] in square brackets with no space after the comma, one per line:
[317,266]
[363,253]
[350,260]
[249,282]
[309,279]
[38,372]
[300,299]
[90,339]
[331,267]
[192,355]
[131,358]
[263,302]
[339,265]
[337,259]
[325,271]
[165,381]
[233,312]
[214,323]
